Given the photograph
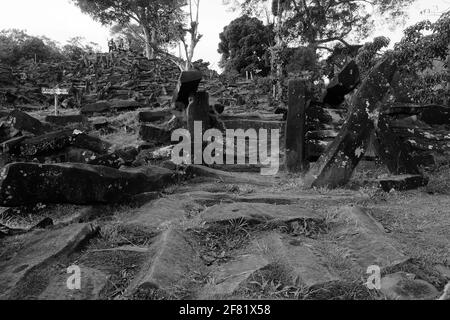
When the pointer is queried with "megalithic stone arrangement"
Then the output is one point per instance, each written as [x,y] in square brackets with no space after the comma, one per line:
[336,166]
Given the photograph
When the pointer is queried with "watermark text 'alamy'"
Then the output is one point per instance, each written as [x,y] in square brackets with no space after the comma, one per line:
[208,147]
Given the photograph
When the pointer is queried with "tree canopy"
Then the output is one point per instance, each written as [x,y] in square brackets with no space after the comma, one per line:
[244,45]
[319,22]
[17,46]
[156,18]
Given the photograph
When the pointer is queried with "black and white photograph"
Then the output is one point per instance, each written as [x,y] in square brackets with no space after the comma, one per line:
[227,158]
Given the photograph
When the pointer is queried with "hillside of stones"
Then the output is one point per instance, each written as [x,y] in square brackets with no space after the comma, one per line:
[94,187]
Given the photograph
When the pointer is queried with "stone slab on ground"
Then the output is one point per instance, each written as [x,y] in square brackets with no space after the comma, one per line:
[228,278]
[93,281]
[230,177]
[304,264]
[170,259]
[161,213]
[257,213]
[367,240]
[403,182]
[29,183]
[36,250]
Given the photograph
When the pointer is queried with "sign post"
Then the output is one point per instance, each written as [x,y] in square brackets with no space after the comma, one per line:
[56,92]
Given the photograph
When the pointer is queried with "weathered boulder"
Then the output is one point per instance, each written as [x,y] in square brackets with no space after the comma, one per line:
[29,183]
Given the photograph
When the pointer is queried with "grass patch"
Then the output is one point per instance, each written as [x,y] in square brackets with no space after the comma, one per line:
[113,236]
[219,242]
[439,181]
[275,283]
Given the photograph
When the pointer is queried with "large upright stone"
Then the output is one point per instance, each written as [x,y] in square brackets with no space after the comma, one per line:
[198,112]
[29,183]
[187,86]
[336,166]
[296,127]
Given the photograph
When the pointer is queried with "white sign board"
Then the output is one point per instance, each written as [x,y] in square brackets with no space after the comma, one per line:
[56,91]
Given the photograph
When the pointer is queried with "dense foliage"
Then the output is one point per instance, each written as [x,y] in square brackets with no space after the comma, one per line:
[422,54]
[17,46]
[244,45]
[158,20]
[319,22]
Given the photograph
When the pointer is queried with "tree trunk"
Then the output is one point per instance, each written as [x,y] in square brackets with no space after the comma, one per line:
[149,39]
[277,62]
